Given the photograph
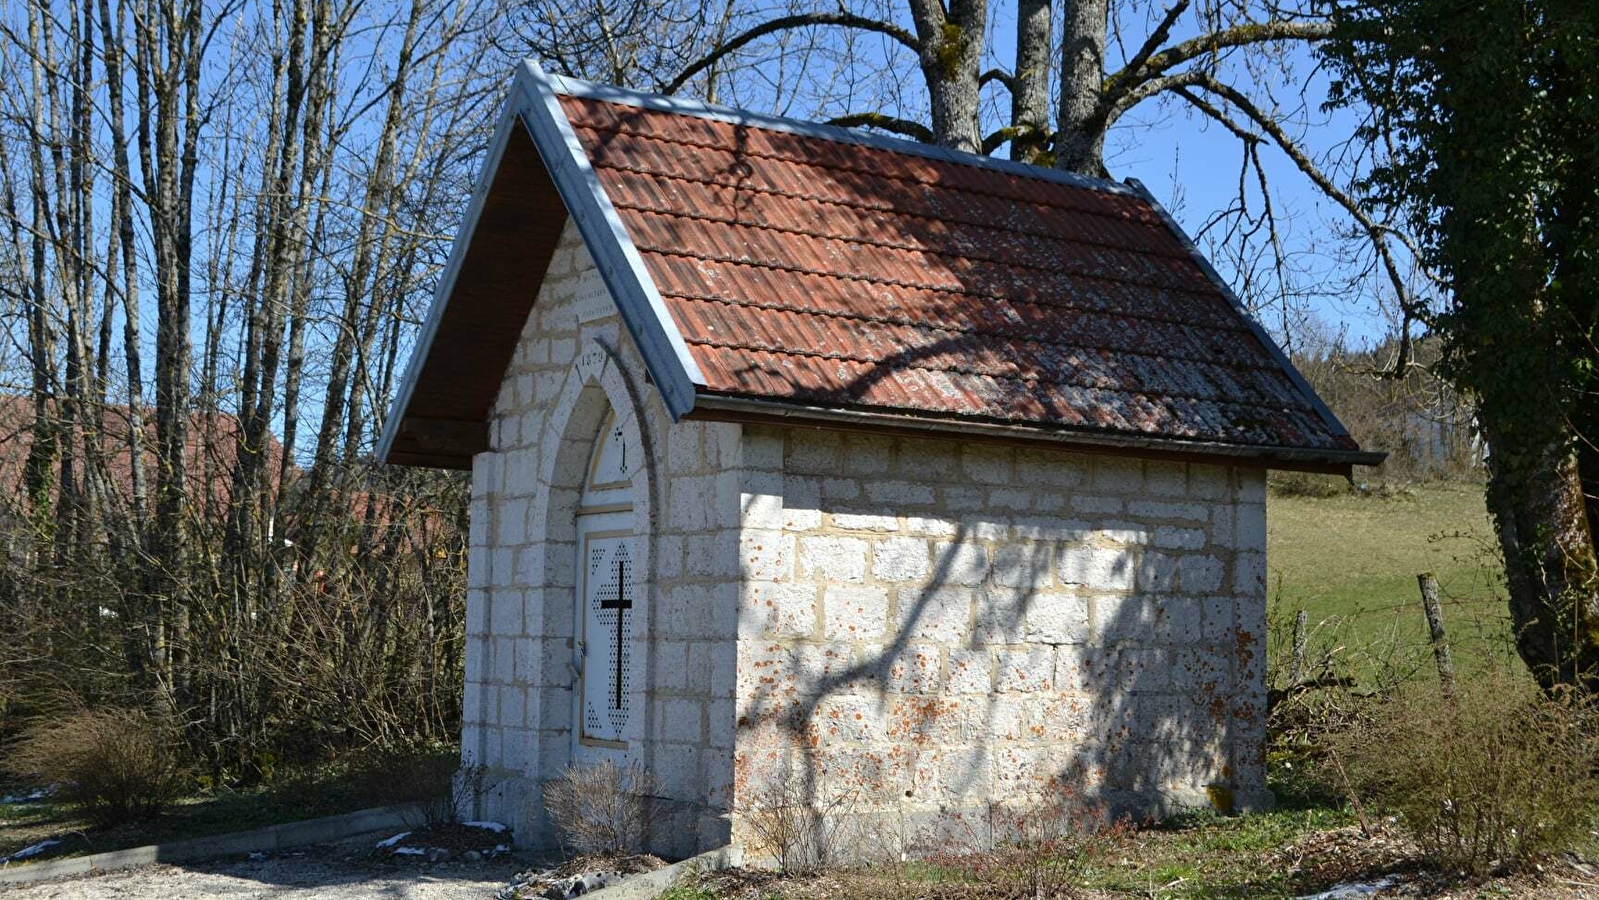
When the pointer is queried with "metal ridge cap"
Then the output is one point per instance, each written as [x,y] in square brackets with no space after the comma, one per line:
[589,90]
[1062,435]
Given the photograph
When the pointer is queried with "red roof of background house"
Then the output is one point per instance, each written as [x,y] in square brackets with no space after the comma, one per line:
[211,452]
[211,456]
[808,266]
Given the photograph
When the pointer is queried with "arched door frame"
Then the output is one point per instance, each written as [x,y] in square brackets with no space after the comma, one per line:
[597,387]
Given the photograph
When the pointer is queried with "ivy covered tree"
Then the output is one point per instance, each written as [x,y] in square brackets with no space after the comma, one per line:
[1485,123]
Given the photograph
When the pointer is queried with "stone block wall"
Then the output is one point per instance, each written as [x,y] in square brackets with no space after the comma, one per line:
[574,359]
[928,625]
[931,627]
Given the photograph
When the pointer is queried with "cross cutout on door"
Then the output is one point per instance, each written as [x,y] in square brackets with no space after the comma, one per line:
[622,603]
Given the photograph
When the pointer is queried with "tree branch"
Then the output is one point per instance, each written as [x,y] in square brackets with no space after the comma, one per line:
[914,130]
[1144,90]
[1146,64]
[787,23]
[1376,232]
[997,139]
[999,75]
[1156,37]
[1236,36]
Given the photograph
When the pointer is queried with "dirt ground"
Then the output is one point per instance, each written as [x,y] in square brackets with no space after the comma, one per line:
[316,874]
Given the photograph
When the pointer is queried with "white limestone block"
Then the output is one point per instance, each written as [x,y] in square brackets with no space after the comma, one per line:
[862,522]
[1199,574]
[936,614]
[899,559]
[1118,475]
[834,559]
[1157,573]
[1042,467]
[766,555]
[1097,569]
[962,563]
[986,464]
[854,612]
[1173,537]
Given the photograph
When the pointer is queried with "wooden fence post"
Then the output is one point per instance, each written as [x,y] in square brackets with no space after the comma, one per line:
[1296,665]
[1435,624]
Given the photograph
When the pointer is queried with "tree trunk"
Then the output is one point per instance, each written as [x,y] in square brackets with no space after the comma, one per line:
[1588,464]
[1080,146]
[952,45]
[167,63]
[1029,99]
[127,244]
[1550,569]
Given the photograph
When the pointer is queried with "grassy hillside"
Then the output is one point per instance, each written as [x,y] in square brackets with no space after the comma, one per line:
[1351,561]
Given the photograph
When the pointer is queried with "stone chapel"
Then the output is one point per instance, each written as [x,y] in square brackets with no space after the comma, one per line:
[803,455]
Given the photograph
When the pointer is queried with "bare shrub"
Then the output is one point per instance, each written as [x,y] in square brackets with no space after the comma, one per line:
[799,831]
[1495,778]
[1035,850]
[1312,688]
[1307,484]
[113,765]
[602,809]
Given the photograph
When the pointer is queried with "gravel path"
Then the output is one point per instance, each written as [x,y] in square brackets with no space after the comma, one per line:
[315,875]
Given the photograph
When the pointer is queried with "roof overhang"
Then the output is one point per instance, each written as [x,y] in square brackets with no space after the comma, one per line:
[713,407]
[534,176]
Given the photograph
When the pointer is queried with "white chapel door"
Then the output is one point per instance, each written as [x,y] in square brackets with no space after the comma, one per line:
[608,634]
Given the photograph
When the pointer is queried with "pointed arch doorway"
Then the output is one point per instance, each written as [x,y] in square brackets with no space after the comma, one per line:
[609,607]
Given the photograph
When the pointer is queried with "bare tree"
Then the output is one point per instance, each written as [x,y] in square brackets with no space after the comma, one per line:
[220,222]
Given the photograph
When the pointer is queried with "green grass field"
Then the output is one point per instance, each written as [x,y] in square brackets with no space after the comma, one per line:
[1351,562]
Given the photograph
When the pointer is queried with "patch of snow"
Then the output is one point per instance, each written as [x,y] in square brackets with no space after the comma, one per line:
[496,827]
[27,852]
[391,841]
[501,848]
[1354,889]
[409,851]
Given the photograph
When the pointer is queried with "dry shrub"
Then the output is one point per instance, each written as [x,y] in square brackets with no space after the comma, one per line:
[1041,850]
[602,809]
[113,765]
[1495,777]
[799,832]
[1306,484]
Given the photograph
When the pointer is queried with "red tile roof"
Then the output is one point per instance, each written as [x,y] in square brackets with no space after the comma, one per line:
[767,267]
[804,269]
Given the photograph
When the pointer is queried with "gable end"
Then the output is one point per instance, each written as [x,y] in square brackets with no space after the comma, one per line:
[534,175]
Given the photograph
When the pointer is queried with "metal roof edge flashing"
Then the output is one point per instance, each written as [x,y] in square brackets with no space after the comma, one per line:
[1311,459]
[677,376]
